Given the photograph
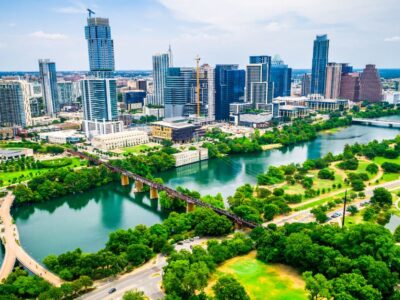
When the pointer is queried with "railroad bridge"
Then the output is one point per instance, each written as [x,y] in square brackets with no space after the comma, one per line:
[155,187]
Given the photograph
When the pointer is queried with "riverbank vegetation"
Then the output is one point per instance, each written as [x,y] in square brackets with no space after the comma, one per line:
[339,263]
[126,249]
[376,110]
[20,285]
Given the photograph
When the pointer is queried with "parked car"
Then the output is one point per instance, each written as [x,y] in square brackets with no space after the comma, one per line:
[112,290]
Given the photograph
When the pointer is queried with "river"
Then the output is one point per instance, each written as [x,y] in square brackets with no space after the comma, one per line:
[85,220]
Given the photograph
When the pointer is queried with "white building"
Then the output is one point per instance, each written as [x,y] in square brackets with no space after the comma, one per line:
[120,139]
[94,128]
[7,154]
[61,137]
[190,156]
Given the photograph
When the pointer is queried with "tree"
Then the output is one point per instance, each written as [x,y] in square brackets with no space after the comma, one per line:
[357,185]
[382,197]
[352,209]
[326,174]
[396,234]
[353,286]
[137,254]
[372,168]
[318,286]
[228,288]
[134,295]
[270,210]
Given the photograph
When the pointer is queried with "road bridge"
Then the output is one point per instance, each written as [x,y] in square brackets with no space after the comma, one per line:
[155,187]
[14,250]
[376,122]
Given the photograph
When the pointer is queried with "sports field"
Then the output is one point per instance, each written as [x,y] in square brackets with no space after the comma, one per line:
[263,281]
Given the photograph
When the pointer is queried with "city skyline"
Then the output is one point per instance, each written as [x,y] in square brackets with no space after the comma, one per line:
[222,36]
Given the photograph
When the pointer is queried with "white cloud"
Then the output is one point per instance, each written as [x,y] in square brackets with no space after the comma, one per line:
[395,38]
[274,26]
[48,36]
[78,8]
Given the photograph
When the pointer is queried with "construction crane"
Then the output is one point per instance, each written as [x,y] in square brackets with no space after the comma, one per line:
[91,12]
[198,85]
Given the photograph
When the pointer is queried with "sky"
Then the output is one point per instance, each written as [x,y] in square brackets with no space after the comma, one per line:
[219,31]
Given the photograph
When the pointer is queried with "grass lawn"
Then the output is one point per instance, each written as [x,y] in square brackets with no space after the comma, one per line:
[389,177]
[8,177]
[325,183]
[362,168]
[381,160]
[293,189]
[318,202]
[353,220]
[262,281]
[136,149]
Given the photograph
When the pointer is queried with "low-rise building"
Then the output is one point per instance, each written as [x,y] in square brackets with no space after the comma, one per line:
[94,128]
[239,107]
[179,132]
[261,120]
[153,111]
[289,112]
[8,154]
[317,102]
[120,139]
[190,156]
[6,133]
[62,137]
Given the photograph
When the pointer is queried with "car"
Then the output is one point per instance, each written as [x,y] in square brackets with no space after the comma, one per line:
[112,290]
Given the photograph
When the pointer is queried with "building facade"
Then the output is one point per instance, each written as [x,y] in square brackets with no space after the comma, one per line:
[281,76]
[350,86]
[259,88]
[305,84]
[190,156]
[120,139]
[229,88]
[134,99]
[100,47]
[161,63]
[175,132]
[370,84]
[319,62]
[332,81]
[48,78]
[15,109]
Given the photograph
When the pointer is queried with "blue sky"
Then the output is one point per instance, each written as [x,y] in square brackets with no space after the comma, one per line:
[220,31]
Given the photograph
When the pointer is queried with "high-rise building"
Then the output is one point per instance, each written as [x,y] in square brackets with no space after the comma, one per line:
[319,62]
[180,92]
[350,86]
[332,82]
[100,46]
[15,107]
[161,63]
[99,99]
[259,88]
[281,76]
[305,84]
[370,84]
[229,88]
[65,92]
[48,78]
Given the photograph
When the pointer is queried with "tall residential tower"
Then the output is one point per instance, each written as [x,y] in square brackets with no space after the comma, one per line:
[100,46]
[161,63]
[48,78]
[319,62]
[259,88]
[281,76]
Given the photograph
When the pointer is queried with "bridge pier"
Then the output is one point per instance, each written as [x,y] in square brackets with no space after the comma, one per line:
[190,207]
[153,193]
[138,186]
[124,180]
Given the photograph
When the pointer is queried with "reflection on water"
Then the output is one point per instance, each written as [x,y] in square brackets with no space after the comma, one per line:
[393,223]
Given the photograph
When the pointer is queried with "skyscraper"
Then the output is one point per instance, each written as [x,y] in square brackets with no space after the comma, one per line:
[370,84]
[48,78]
[161,63]
[332,82]
[180,92]
[229,88]
[259,88]
[350,86]
[319,62]
[99,99]
[305,84]
[14,103]
[100,46]
[281,76]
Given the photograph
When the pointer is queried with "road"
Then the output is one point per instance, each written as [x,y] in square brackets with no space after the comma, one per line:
[146,278]
[14,250]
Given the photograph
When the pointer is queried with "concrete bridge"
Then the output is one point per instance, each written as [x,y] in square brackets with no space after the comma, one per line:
[155,187]
[378,123]
[14,251]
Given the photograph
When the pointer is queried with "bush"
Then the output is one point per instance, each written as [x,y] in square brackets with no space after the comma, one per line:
[372,168]
[326,174]
[349,164]
[389,167]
